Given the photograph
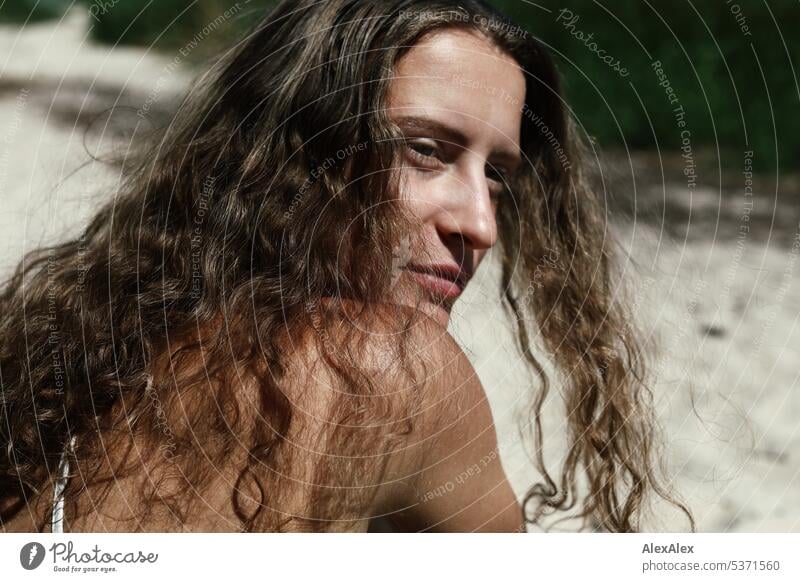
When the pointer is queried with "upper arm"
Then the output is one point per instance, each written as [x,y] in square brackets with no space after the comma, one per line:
[452,478]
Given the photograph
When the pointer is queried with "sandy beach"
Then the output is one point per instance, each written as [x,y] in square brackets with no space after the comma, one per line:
[719,307]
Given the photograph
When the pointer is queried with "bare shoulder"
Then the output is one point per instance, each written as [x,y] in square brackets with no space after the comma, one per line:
[400,352]
[401,376]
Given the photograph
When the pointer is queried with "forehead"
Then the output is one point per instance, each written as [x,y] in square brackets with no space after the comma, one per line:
[458,75]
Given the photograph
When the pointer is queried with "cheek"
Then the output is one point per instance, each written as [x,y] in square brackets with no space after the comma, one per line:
[418,197]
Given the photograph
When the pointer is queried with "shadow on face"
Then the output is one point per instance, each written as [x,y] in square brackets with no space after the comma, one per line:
[457,99]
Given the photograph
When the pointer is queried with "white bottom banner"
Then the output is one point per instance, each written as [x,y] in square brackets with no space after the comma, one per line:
[401,557]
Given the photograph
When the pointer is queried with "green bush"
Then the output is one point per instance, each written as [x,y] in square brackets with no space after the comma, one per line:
[20,11]
[197,28]
[738,90]
[697,44]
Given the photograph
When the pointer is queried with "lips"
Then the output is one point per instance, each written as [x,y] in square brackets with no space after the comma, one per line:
[444,282]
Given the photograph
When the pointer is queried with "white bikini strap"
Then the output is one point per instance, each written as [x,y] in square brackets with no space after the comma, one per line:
[57,522]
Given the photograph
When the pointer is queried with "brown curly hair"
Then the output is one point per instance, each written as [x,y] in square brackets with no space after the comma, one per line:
[221,247]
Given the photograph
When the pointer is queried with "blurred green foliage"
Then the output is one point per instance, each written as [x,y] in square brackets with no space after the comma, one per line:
[205,26]
[175,24]
[21,11]
[737,86]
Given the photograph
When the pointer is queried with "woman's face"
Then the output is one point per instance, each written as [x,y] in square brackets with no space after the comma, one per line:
[458,101]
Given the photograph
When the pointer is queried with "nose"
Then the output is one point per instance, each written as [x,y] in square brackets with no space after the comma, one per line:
[467,215]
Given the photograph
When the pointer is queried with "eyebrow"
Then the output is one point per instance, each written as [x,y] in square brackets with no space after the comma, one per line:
[451,134]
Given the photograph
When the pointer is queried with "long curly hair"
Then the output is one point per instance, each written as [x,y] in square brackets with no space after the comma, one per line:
[238,226]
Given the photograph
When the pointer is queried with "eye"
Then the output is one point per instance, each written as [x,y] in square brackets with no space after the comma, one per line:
[498,178]
[424,152]
[497,175]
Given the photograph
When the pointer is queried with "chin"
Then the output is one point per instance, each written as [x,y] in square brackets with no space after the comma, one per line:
[424,299]
[437,312]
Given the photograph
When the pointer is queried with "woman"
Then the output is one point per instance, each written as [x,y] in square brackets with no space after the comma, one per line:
[251,334]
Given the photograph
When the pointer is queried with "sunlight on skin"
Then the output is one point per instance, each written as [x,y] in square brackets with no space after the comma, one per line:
[458,101]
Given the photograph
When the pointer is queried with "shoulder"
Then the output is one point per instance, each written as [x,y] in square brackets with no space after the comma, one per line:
[414,385]
[401,351]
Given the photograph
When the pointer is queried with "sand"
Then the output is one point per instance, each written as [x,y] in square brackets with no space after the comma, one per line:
[721,310]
